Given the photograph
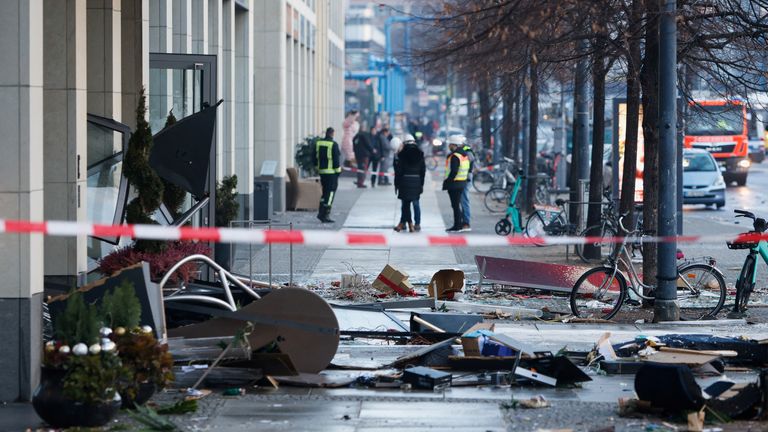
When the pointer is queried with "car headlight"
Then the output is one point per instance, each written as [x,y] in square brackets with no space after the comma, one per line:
[436,142]
[719,183]
[744,163]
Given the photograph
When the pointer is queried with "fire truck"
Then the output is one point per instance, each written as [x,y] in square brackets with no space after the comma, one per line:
[720,127]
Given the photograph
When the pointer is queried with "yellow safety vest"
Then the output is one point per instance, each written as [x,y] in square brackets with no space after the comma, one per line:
[463,167]
[327,147]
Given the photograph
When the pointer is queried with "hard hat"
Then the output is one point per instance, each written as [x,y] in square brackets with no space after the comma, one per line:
[408,138]
[396,143]
[418,134]
[456,140]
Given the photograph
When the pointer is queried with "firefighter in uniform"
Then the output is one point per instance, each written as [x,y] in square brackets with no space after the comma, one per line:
[456,174]
[328,160]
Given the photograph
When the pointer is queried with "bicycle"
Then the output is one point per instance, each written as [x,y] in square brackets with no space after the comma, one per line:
[512,220]
[745,283]
[606,229]
[497,197]
[495,176]
[601,291]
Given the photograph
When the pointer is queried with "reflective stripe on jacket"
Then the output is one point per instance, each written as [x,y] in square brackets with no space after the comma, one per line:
[463,172]
[325,162]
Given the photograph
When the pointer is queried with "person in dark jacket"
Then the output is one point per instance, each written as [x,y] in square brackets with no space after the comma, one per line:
[386,156]
[328,162]
[363,148]
[456,174]
[410,171]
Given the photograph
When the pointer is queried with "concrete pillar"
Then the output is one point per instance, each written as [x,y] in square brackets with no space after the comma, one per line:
[182,26]
[21,195]
[104,59]
[216,47]
[270,94]
[160,89]
[227,76]
[200,26]
[135,55]
[243,103]
[65,131]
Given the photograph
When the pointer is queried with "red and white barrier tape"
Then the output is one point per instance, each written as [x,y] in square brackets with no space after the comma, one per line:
[357,170]
[325,237]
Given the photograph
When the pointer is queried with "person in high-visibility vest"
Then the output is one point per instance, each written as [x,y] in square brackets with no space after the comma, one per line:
[328,162]
[456,174]
[466,150]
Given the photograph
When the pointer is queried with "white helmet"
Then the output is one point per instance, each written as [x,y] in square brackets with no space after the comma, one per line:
[408,138]
[396,143]
[457,140]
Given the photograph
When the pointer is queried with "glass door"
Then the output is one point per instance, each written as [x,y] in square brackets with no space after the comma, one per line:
[183,84]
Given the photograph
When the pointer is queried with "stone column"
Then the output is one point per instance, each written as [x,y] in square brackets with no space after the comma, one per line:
[21,195]
[182,26]
[135,55]
[243,131]
[200,26]
[216,47]
[226,73]
[104,59]
[270,94]
[160,81]
[65,132]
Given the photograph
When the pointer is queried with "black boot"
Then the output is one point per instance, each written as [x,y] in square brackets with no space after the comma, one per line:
[373,180]
[324,213]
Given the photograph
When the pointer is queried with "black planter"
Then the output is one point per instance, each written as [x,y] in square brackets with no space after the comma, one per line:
[143,393]
[59,411]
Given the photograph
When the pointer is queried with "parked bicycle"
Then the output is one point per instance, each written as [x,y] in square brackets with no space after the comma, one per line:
[497,197]
[745,284]
[493,176]
[602,290]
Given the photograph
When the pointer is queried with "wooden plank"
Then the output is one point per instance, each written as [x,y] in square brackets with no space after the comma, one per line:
[721,353]
[680,358]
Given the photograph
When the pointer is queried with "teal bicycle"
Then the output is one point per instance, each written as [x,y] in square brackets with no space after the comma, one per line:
[745,284]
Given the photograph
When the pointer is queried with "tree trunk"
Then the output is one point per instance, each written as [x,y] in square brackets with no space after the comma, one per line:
[650,85]
[485,115]
[507,127]
[516,124]
[633,116]
[533,121]
[599,71]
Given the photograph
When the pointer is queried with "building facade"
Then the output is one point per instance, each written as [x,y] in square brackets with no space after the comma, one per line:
[73,66]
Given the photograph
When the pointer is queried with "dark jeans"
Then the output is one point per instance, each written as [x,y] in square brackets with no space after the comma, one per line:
[458,215]
[405,211]
[416,212]
[329,183]
[375,164]
[362,165]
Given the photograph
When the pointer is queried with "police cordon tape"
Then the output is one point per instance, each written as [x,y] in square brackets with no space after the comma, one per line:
[327,237]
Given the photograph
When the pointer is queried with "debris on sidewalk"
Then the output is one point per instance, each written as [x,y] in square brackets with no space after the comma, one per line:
[393,281]
[447,283]
[426,378]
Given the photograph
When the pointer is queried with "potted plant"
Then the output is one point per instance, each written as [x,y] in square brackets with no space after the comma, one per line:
[80,371]
[305,156]
[151,191]
[146,362]
[227,208]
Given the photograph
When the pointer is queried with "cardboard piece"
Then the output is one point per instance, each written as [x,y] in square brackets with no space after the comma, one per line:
[393,281]
[447,282]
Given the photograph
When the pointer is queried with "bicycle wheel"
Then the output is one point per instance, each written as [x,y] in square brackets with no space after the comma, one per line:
[700,291]
[744,284]
[536,225]
[599,293]
[606,248]
[496,200]
[431,163]
[482,181]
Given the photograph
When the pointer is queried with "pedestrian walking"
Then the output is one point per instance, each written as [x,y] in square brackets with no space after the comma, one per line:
[375,157]
[328,162]
[363,150]
[466,149]
[385,162]
[350,126]
[456,173]
[410,171]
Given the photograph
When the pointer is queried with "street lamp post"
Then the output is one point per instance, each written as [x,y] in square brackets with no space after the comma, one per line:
[665,305]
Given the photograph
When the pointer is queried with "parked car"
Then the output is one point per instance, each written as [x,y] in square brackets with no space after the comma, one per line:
[702,180]
[756,151]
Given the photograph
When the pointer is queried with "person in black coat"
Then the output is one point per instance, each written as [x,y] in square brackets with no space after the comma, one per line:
[410,171]
[363,147]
